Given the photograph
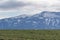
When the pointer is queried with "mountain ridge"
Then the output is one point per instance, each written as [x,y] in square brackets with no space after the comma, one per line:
[43,20]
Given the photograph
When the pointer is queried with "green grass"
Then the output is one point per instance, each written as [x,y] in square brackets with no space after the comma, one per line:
[30,34]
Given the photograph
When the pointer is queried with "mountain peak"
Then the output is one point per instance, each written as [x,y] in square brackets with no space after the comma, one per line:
[43,20]
[50,14]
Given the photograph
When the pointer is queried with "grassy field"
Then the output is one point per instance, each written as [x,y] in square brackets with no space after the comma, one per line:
[29,34]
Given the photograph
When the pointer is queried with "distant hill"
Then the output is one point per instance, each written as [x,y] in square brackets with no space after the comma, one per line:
[43,20]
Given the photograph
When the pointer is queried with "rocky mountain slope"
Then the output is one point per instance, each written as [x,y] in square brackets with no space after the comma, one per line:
[43,20]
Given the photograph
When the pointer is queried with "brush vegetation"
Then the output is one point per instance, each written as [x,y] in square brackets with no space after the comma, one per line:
[29,34]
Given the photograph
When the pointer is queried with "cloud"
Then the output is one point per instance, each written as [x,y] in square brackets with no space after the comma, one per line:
[41,5]
[30,7]
[11,5]
[47,5]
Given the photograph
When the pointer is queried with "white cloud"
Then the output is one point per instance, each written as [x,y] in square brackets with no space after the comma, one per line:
[48,5]
[33,7]
[40,5]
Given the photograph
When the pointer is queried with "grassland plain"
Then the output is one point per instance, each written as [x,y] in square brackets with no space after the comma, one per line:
[29,34]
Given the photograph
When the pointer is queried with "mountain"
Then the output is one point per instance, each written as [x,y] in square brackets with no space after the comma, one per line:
[43,20]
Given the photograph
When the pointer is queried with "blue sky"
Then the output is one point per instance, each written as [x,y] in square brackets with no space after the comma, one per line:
[10,8]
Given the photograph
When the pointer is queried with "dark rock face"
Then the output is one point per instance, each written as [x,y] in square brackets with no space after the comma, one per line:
[44,20]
